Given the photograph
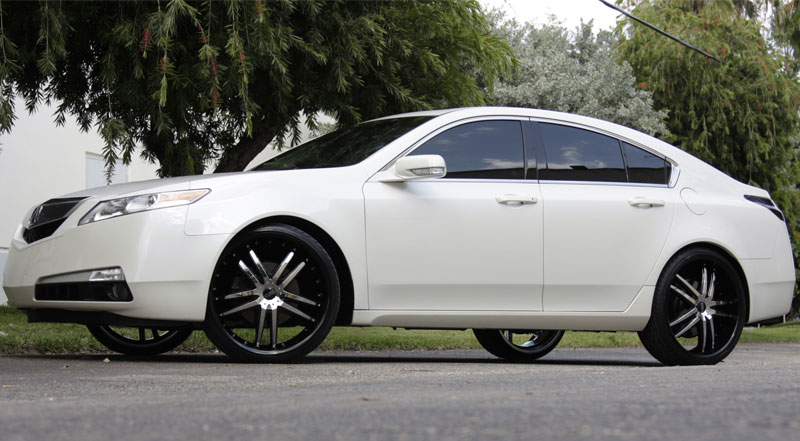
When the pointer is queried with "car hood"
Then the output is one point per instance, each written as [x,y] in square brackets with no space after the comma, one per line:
[152,185]
[248,179]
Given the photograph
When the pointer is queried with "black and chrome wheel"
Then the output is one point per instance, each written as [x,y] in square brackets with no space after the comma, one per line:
[699,309]
[518,345]
[139,341]
[274,296]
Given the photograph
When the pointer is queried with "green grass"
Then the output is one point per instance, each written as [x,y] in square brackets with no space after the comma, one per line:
[19,337]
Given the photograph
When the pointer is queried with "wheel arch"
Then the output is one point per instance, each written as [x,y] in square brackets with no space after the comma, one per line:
[346,291]
[731,258]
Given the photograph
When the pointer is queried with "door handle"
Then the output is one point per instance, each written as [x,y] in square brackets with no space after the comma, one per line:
[515,199]
[645,202]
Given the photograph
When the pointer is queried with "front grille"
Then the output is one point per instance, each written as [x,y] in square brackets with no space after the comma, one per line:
[46,218]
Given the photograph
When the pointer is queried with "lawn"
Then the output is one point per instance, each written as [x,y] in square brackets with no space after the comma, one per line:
[19,337]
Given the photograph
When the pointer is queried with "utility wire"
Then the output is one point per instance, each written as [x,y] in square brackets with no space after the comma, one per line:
[655,28]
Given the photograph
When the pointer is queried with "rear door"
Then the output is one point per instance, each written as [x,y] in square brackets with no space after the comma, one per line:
[605,224]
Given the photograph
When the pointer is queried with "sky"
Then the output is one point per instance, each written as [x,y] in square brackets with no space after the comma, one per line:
[568,12]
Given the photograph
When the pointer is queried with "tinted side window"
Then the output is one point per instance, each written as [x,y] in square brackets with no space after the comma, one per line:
[479,150]
[645,167]
[580,155]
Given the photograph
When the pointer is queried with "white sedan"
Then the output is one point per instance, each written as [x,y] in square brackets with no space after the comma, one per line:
[515,223]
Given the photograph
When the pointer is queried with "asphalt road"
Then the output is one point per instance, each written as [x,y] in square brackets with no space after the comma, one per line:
[461,395]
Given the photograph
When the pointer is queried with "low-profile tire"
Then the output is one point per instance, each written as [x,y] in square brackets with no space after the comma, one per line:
[139,341]
[699,309]
[518,345]
[274,296]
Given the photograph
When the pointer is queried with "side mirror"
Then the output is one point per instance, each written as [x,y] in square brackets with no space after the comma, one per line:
[416,167]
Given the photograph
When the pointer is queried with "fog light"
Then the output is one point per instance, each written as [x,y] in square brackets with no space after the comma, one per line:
[119,292]
[107,275]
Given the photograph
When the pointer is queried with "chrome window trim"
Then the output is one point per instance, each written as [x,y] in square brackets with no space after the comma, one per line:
[476,180]
[601,132]
[604,183]
[675,174]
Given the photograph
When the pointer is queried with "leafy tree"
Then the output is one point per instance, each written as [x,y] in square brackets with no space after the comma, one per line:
[785,29]
[740,115]
[191,82]
[574,73]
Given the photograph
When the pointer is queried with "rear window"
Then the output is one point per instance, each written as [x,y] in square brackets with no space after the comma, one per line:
[645,167]
[575,154]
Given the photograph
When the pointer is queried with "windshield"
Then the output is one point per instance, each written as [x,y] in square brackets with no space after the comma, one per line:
[344,147]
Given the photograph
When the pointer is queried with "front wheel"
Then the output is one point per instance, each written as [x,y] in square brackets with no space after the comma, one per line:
[699,309]
[274,296]
[139,341]
[518,345]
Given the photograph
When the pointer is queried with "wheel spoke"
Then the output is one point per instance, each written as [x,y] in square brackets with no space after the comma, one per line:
[692,312]
[297,312]
[292,275]
[289,295]
[510,336]
[142,336]
[711,330]
[282,267]
[155,333]
[260,329]
[252,292]
[688,285]
[259,266]
[249,274]
[721,314]
[704,282]
[688,327]
[713,283]
[242,307]
[273,331]
[685,296]
[703,334]
[721,302]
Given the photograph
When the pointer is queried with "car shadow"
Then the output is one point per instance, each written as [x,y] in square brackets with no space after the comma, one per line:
[567,358]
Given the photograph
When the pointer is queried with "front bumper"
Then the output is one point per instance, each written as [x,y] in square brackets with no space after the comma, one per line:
[166,271]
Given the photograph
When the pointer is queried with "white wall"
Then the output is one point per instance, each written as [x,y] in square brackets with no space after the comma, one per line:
[3,298]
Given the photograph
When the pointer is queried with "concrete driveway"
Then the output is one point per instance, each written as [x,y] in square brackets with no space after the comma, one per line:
[591,394]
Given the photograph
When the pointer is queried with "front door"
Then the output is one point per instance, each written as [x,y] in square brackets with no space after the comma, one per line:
[470,241]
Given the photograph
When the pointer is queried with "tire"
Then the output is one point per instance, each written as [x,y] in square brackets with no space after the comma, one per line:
[135,341]
[274,280]
[699,309]
[518,345]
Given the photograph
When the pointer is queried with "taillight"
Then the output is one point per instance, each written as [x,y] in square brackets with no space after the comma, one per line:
[766,203]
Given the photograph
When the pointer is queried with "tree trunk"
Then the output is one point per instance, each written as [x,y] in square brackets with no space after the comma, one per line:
[237,157]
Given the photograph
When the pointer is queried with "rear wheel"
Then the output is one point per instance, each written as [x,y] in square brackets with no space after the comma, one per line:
[274,296]
[699,309]
[139,341]
[518,345]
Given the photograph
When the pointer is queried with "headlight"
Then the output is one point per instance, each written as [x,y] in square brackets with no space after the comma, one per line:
[134,204]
